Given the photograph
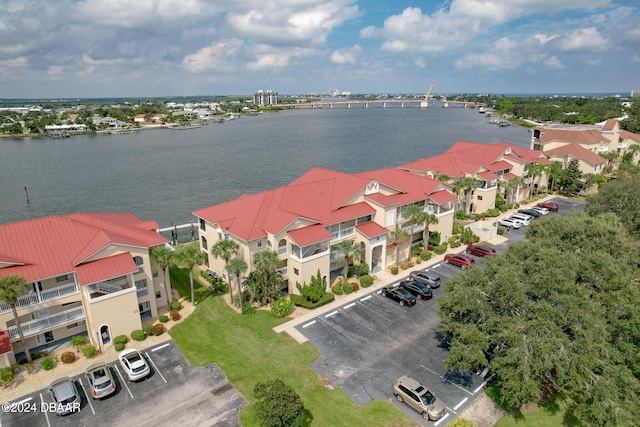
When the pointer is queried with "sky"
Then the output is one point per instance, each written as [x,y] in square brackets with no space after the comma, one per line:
[155,48]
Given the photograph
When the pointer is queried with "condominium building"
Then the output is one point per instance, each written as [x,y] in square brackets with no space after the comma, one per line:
[88,274]
[262,98]
[305,219]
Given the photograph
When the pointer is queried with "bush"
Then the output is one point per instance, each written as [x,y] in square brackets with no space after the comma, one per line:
[439,250]
[417,260]
[393,269]
[121,339]
[174,315]
[461,215]
[38,354]
[248,308]
[138,335]
[282,308]
[457,227]
[425,255]
[7,375]
[501,231]
[493,212]
[78,341]
[175,305]
[358,269]
[119,346]
[89,351]
[220,287]
[147,329]
[452,240]
[277,404]
[157,329]
[415,250]
[404,265]
[163,319]
[68,357]
[336,288]
[313,291]
[434,238]
[302,302]
[47,364]
[347,287]
[366,281]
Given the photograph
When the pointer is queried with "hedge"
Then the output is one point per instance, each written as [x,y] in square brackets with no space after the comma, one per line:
[302,302]
[366,281]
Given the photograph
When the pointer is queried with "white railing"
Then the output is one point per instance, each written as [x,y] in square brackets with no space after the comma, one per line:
[282,250]
[622,144]
[46,295]
[603,148]
[105,288]
[33,327]
[284,270]
[347,232]
[443,213]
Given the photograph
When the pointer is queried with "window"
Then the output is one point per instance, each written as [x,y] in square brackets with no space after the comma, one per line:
[202,224]
[63,278]
[259,243]
[479,197]
[158,294]
[155,273]
[141,284]
[296,272]
[205,245]
[139,262]
[76,325]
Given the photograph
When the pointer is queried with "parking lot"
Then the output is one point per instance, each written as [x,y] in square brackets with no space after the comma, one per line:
[368,343]
[175,393]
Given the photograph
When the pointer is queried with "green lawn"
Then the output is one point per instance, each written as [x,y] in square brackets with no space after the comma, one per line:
[551,413]
[248,351]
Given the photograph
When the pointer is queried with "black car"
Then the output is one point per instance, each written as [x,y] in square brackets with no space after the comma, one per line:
[403,296]
[416,289]
[426,278]
[531,212]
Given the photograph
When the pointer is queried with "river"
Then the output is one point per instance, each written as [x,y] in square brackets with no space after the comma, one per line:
[167,174]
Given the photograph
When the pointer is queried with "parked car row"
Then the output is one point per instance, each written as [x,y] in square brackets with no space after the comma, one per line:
[418,285]
[64,391]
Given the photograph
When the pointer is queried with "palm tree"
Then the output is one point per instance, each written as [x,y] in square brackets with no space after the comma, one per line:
[467,184]
[268,262]
[348,249]
[429,219]
[192,256]
[398,236]
[535,170]
[554,170]
[610,156]
[511,189]
[226,249]
[162,256]
[236,267]
[12,287]
[415,215]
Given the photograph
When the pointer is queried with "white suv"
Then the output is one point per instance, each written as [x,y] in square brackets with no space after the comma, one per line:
[522,218]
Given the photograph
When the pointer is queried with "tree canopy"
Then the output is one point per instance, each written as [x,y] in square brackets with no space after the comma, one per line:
[619,196]
[556,313]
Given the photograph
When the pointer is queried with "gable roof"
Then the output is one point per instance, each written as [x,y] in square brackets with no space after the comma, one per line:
[51,246]
[577,151]
[611,124]
[580,136]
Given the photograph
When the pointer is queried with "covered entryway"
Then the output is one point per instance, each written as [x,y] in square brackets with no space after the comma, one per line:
[105,335]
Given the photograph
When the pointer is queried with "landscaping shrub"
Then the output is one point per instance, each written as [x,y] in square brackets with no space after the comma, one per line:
[147,329]
[29,367]
[68,357]
[347,287]
[356,286]
[7,375]
[467,237]
[282,308]
[461,215]
[121,339]
[434,238]
[415,250]
[119,346]
[138,335]
[425,255]
[493,212]
[277,404]
[417,260]
[38,354]
[457,227]
[439,250]
[220,287]
[163,319]
[302,302]
[404,265]
[78,341]
[393,269]
[501,231]
[174,315]
[47,364]
[157,329]
[248,308]
[358,269]
[336,288]
[366,281]
[89,351]
[175,305]
[313,291]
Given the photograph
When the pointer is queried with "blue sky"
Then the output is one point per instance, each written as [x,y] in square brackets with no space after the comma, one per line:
[146,48]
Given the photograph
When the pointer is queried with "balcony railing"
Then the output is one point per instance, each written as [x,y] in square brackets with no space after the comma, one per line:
[34,327]
[284,270]
[143,292]
[282,250]
[603,149]
[46,295]
[104,288]
[622,144]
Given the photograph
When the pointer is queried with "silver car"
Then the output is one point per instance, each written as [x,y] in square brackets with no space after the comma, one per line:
[65,395]
[426,278]
[134,364]
[101,382]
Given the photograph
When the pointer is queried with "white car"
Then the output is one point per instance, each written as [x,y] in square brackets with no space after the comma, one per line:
[508,222]
[521,218]
[134,364]
[543,211]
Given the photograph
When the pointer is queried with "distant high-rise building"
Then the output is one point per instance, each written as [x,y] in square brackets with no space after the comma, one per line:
[635,93]
[262,98]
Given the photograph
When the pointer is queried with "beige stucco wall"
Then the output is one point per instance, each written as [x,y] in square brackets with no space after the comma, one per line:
[120,312]
[307,270]
[488,199]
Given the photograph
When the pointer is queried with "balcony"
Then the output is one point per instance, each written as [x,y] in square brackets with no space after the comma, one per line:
[603,149]
[47,323]
[46,295]
[97,290]
[142,292]
[622,144]
[284,271]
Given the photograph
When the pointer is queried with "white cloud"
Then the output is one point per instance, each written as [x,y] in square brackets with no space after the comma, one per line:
[544,39]
[554,62]
[504,53]
[218,56]
[583,39]
[347,55]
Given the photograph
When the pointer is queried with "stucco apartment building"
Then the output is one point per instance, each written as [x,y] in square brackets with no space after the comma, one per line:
[585,143]
[88,274]
[303,220]
[488,164]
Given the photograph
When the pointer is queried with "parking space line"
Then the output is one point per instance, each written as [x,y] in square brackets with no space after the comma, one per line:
[46,413]
[122,381]
[155,367]
[160,348]
[309,324]
[365,298]
[446,380]
[24,401]
[331,314]
[441,419]
[350,305]
[376,312]
[461,403]
[437,265]
[339,333]
[86,394]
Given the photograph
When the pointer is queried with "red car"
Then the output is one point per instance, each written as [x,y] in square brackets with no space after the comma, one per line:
[460,260]
[549,205]
[480,250]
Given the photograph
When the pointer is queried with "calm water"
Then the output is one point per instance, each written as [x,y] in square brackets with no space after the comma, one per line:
[167,174]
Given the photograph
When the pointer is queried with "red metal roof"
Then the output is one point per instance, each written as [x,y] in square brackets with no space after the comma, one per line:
[577,151]
[500,165]
[309,235]
[106,268]
[487,175]
[371,229]
[441,197]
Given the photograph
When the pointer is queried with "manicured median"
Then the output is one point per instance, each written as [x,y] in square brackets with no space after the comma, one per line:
[248,351]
